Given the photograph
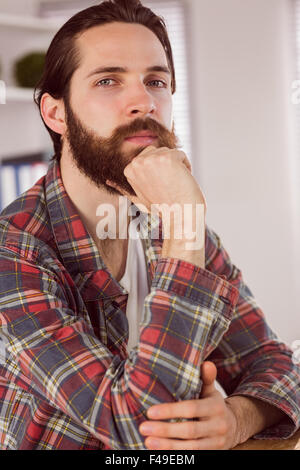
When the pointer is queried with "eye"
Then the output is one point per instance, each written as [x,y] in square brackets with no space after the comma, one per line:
[161,82]
[100,82]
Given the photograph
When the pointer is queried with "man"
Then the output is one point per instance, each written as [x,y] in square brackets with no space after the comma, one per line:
[116,343]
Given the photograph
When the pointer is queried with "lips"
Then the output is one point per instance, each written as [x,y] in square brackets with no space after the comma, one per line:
[142,138]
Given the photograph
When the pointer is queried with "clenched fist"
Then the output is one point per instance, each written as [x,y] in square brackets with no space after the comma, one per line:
[162,180]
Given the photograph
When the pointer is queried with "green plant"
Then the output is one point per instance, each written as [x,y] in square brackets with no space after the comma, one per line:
[28,69]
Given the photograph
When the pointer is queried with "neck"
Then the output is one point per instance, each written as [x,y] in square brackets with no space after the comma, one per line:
[89,201]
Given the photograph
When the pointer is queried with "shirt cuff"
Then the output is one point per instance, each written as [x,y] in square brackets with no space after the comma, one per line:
[197,284]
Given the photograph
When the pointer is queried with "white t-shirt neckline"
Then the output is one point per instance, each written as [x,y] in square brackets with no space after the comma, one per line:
[135,282]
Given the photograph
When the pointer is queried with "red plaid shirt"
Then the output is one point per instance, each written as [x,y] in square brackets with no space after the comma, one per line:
[66,378]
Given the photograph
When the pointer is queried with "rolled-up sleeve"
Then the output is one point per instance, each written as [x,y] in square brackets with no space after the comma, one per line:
[251,360]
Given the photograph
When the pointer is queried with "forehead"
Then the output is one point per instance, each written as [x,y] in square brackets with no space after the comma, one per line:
[125,42]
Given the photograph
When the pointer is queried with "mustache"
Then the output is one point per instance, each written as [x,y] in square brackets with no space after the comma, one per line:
[138,125]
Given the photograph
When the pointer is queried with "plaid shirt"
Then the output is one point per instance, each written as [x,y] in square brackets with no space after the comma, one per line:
[67,380]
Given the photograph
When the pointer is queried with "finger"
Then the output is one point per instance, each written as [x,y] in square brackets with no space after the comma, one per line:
[141,203]
[148,149]
[144,152]
[202,408]
[209,372]
[186,430]
[136,200]
[118,188]
[214,443]
[158,150]
[181,157]
[208,377]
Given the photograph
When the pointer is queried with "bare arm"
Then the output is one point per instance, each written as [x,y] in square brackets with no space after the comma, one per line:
[253,416]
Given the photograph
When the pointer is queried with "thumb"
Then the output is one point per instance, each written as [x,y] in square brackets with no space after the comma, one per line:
[208,376]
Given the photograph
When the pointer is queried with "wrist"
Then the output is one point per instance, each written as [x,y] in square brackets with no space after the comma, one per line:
[235,419]
[187,246]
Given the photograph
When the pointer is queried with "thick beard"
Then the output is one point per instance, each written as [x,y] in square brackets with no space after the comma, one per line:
[101,159]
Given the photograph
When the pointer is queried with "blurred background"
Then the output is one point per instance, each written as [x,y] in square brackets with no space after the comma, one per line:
[236,114]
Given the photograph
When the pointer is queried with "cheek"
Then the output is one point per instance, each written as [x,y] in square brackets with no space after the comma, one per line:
[165,111]
[100,115]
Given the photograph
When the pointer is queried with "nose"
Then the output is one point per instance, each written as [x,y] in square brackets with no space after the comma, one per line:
[140,102]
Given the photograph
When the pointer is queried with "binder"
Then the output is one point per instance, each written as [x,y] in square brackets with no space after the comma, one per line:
[8,185]
[15,179]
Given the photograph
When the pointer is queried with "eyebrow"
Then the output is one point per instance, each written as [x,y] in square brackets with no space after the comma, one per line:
[154,68]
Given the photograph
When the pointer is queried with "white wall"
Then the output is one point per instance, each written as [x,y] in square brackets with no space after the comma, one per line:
[21,7]
[243,129]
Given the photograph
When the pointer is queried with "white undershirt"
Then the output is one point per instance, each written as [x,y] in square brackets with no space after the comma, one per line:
[136,284]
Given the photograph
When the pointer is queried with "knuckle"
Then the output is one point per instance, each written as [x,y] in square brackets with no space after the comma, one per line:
[191,430]
[135,162]
[148,160]
[128,169]
[181,153]
[163,158]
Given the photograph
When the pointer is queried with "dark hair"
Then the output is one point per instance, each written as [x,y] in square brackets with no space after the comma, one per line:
[62,57]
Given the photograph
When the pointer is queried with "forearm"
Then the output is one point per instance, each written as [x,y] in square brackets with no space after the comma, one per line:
[253,416]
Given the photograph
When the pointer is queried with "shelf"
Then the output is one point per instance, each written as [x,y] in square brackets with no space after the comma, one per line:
[15,94]
[28,22]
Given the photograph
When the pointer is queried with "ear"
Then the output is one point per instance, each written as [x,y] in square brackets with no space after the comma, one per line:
[53,112]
